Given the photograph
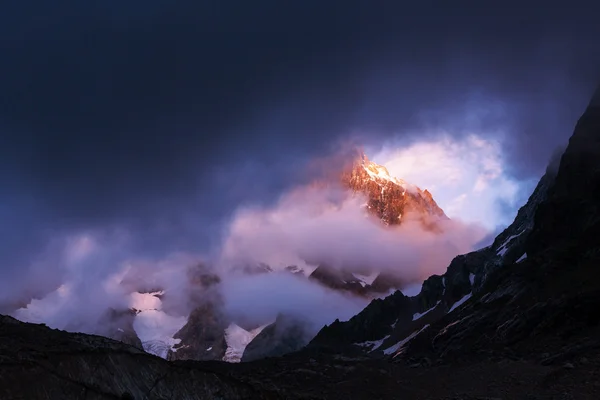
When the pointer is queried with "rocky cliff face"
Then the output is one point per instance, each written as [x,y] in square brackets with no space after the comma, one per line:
[286,335]
[203,335]
[389,198]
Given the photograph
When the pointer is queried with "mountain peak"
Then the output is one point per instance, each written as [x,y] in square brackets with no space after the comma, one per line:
[379,172]
[389,198]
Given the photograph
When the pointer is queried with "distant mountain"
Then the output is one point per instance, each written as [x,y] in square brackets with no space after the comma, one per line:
[391,201]
[390,198]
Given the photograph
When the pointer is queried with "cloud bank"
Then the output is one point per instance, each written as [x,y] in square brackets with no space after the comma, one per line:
[307,226]
[325,225]
[468,176]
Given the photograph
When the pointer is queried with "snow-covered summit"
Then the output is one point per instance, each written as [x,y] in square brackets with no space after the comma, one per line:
[389,198]
[379,172]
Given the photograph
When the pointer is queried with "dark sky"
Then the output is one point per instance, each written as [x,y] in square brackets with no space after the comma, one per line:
[162,117]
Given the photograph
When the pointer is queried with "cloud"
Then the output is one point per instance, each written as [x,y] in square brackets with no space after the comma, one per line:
[260,298]
[308,225]
[467,176]
[94,273]
[326,225]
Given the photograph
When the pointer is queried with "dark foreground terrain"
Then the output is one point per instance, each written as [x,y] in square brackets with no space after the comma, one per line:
[517,320]
[39,363]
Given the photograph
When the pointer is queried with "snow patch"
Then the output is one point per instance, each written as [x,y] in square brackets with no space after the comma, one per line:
[366,279]
[504,246]
[145,301]
[460,302]
[380,173]
[375,343]
[523,257]
[416,316]
[472,278]
[156,329]
[395,348]
[237,339]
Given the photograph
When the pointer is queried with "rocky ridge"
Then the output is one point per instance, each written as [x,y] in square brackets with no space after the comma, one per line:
[390,198]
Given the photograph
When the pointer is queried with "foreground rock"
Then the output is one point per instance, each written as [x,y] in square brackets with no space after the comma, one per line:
[40,363]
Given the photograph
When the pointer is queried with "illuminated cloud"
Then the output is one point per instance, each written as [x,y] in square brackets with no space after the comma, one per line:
[467,176]
[326,226]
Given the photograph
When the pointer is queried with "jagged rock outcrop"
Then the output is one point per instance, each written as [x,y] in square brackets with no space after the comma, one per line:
[390,198]
[203,336]
[287,334]
[118,325]
[343,280]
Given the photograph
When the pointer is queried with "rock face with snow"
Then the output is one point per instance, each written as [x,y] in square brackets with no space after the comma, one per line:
[237,340]
[390,198]
[118,325]
[285,335]
[203,336]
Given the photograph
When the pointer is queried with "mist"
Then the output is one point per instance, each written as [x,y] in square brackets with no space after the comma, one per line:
[259,299]
[313,225]
[97,272]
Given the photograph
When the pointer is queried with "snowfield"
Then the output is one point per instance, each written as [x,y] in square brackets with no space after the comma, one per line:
[237,339]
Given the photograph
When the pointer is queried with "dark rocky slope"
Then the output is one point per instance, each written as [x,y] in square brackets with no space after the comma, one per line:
[40,363]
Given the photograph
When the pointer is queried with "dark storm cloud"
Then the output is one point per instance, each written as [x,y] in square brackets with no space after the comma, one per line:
[162,117]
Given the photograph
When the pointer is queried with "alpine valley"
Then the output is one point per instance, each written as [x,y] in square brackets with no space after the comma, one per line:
[518,319]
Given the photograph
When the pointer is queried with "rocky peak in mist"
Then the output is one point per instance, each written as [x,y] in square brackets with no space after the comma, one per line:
[388,198]
[532,295]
